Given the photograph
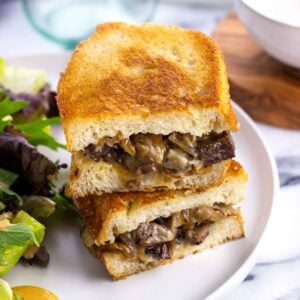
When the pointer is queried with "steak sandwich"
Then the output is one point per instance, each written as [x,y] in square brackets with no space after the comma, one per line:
[147,117]
[133,232]
[146,107]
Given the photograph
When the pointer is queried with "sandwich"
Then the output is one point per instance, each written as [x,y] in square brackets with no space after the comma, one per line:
[147,117]
[146,108]
[134,232]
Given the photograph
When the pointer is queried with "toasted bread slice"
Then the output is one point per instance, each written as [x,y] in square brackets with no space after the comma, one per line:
[120,267]
[128,79]
[110,215]
[88,177]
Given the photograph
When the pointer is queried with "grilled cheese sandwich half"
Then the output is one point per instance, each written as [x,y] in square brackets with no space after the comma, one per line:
[132,232]
[145,106]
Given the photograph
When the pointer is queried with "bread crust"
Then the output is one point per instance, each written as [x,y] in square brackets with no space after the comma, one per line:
[117,213]
[125,74]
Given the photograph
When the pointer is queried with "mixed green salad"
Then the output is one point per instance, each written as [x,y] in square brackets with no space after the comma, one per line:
[28,194]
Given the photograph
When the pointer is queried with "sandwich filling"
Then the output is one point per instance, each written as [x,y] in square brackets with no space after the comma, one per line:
[175,154]
[158,239]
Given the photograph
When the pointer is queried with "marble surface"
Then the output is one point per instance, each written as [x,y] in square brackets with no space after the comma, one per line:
[277,273]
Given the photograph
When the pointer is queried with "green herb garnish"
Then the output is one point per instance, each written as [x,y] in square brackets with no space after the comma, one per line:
[37,135]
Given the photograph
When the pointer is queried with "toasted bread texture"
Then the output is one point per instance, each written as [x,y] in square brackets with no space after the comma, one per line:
[145,78]
[90,177]
[229,228]
[109,215]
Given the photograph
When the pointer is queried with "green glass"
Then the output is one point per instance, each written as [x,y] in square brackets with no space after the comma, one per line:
[69,21]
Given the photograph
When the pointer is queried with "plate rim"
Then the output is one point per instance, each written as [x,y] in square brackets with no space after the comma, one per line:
[239,275]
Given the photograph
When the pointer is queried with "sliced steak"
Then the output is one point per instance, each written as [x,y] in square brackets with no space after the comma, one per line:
[160,251]
[173,154]
[215,148]
[198,234]
[152,234]
[158,238]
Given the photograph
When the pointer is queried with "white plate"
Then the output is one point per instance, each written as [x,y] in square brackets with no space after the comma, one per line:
[74,274]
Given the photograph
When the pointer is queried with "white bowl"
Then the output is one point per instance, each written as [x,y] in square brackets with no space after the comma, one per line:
[278,38]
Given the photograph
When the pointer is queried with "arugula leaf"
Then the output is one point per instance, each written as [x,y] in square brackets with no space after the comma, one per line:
[8,107]
[17,235]
[7,195]
[63,202]
[37,134]
[7,178]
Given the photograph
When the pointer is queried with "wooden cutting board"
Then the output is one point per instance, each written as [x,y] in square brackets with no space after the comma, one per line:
[267,89]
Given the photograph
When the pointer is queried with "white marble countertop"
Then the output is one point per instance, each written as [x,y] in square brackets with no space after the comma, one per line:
[277,273]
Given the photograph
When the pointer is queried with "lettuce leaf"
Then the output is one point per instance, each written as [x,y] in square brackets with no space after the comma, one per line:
[7,178]
[17,235]
[39,104]
[6,292]
[35,130]
[23,217]
[25,100]
[38,206]
[21,80]
[34,169]
[7,195]
[2,66]
[15,239]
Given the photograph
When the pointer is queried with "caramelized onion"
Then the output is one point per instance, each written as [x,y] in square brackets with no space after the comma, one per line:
[176,154]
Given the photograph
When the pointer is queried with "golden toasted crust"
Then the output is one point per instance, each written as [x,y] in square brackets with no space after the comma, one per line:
[99,212]
[140,71]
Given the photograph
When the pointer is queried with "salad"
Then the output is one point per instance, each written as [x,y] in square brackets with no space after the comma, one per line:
[28,194]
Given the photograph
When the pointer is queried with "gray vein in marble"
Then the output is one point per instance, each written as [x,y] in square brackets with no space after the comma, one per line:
[292,295]
[289,170]
[249,277]
[270,282]
[280,261]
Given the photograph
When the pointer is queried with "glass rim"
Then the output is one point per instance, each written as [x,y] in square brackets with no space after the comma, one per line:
[69,43]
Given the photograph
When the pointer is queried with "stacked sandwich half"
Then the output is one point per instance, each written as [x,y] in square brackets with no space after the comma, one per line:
[147,117]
